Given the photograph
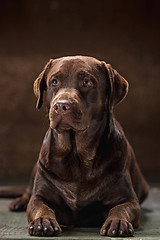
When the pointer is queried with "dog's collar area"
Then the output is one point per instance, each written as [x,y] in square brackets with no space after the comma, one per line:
[73,146]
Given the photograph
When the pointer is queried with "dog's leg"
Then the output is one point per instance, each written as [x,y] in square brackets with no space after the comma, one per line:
[20,203]
[41,218]
[121,220]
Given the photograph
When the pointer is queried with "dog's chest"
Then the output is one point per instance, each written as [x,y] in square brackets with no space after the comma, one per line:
[80,186]
[77,195]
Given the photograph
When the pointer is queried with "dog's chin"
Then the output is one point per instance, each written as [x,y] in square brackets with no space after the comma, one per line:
[60,125]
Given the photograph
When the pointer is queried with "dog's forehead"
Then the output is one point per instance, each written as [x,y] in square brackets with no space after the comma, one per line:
[70,65]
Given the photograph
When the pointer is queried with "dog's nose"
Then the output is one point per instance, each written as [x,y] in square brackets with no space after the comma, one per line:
[61,107]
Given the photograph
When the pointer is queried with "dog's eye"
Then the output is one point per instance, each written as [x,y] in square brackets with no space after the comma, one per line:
[87,83]
[55,83]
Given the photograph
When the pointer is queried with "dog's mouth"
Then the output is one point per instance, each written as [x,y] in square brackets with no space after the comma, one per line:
[65,123]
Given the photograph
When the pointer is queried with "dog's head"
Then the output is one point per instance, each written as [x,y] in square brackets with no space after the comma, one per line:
[79,90]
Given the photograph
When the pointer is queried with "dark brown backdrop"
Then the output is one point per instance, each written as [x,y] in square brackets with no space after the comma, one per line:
[123,33]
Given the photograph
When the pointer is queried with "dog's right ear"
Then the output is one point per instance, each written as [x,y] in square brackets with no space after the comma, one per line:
[40,84]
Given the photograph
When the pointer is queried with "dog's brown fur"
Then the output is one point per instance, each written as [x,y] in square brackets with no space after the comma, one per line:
[86,174]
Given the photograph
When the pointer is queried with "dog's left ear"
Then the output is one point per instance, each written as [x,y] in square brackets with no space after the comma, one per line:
[118,85]
[40,84]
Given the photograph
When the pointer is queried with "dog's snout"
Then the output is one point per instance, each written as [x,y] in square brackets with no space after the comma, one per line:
[61,107]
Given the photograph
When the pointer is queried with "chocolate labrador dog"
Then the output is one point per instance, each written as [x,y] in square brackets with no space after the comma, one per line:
[86,174]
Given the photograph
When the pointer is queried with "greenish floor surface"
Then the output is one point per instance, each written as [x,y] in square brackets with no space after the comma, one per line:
[14,225]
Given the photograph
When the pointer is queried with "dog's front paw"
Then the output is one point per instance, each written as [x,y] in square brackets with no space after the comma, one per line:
[117,227]
[44,227]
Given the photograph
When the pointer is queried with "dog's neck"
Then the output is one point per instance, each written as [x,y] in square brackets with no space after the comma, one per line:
[71,154]
[87,143]
[84,144]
